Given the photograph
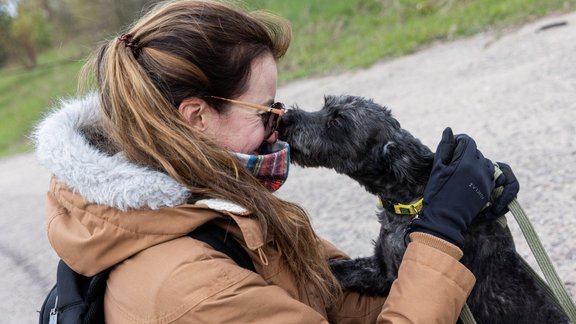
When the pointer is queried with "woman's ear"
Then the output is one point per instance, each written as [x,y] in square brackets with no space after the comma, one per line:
[194,111]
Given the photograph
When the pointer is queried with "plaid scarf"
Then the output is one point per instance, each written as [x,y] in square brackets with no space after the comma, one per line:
[270,166]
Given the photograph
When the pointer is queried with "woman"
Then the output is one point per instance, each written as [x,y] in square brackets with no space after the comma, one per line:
[167,143]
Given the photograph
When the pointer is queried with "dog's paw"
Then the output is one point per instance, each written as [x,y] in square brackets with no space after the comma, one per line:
[361,275]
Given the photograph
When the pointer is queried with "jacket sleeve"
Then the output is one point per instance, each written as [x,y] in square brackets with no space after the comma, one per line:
[432,287]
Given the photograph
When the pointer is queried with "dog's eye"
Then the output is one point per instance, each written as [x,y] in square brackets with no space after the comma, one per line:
[334,122]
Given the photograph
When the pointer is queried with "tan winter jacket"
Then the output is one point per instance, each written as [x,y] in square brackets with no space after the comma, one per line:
[104,212]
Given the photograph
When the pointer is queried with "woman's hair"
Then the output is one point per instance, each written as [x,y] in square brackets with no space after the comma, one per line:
[196,48]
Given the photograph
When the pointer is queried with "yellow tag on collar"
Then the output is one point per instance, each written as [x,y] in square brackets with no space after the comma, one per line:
[411,209]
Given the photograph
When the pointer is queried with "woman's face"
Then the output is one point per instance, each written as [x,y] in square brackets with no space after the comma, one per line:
[239,128]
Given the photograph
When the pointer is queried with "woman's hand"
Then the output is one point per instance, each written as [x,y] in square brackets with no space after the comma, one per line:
[510,188]
[460,185]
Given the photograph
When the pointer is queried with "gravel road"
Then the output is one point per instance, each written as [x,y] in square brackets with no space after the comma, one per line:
[514,92]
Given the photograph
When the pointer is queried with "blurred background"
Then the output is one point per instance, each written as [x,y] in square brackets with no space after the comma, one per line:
[513,68]
[43,43]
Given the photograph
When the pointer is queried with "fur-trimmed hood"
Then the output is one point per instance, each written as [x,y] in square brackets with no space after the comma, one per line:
[101,208]
[69,144]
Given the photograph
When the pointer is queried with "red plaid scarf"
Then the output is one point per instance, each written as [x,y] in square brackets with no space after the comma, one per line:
[270,166]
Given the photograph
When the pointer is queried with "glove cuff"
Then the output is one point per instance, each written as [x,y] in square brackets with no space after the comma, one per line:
[437,243]
[444,230]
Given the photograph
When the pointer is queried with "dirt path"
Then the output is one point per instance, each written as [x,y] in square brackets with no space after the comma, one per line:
[514,93]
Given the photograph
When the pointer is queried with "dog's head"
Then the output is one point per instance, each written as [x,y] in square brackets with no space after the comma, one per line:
[357,137]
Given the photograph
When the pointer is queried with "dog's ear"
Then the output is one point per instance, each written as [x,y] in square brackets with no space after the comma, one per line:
[406,160]
[332,100]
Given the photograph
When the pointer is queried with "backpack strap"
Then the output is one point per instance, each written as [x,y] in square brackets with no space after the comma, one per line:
[219,239]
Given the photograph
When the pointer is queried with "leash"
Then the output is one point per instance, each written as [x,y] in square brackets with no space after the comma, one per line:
[553,287]
[466,315]
[559,291]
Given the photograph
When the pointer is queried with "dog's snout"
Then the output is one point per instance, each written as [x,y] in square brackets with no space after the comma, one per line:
[288,123]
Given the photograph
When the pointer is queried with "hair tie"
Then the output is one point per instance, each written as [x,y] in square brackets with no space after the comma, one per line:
[128,41]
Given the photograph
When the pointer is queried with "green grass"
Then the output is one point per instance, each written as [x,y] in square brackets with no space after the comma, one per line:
[329,36]
[26,95]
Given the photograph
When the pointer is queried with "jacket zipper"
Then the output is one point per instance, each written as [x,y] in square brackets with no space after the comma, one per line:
[54,313]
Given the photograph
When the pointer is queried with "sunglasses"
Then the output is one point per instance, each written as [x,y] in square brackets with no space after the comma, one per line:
[271,117]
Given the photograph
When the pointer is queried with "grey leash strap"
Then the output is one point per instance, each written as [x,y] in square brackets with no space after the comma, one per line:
[466,315]
[554,287]
[541,283]
[543,261]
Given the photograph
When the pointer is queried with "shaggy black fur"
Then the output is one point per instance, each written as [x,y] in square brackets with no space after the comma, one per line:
[361,139]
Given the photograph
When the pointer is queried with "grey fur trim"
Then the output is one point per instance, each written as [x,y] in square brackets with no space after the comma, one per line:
[100,178]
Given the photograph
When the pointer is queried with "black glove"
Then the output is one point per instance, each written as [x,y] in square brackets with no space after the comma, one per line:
[511,186]
[459,187]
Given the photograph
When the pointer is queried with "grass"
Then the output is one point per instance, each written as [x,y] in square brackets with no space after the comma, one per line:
[25,96]
[329,36]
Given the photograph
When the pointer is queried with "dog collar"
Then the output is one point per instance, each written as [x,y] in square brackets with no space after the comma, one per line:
[401,209]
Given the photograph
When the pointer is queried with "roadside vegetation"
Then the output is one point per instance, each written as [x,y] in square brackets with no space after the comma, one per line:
[43,42]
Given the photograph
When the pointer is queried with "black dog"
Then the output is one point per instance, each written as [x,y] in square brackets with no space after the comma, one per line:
[361,139]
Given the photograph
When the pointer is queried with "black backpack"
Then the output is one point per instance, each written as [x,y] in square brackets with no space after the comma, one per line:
[79,299]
